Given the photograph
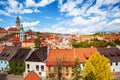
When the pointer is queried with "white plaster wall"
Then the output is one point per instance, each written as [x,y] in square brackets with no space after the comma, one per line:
[4,64]
[33,68]
[115,67]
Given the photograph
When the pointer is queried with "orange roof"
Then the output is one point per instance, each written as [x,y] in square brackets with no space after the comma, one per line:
[84,53]
[13,29]
[112,37]
[3,31]
[29,40]
[49,35]
[30,33]
[69,55]
[32,76]
[1,48]
[66,55]
[14,38]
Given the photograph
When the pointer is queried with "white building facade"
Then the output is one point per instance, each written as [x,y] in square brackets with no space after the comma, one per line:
[38,67]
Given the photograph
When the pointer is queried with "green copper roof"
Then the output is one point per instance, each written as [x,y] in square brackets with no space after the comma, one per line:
[21,27]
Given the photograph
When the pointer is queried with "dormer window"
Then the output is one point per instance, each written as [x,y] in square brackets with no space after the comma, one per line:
[3,54]
[7,55]
[116,63]
[87,58]
[59,58]
[118,53]
[112,55]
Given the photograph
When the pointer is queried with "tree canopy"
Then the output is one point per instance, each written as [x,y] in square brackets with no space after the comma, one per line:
[37,41]
[97,68]
[77,70]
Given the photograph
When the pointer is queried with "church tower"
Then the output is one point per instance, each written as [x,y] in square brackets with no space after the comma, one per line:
[21,33]
[18,23]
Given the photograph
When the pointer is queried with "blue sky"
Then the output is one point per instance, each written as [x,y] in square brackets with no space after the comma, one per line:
[62,16]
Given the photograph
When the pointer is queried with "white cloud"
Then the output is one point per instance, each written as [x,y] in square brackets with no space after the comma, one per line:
[30,3]
[29,24]
[115,22]
[42,3]
[79,21]
[111,1]
[16,7]
[27,11]
[47,17]
[4,13]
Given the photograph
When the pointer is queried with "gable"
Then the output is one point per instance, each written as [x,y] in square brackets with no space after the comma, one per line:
[34,58]
[32,75]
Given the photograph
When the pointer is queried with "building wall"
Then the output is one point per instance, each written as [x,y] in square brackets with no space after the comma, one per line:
[10,32]
[28,44]
[32,67]
[4,65]
[115,66]
[66,72]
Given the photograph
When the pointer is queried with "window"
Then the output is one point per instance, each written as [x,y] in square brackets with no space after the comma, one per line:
[37,67]
[39,73]
[20,65]
[2,69]
[67,74]
[42,68]
[28,66]
[7,55]
[49,68]
[3,54]
[15,64]
[16,55]
[67,69]
[87,58]
[28,71]
[83,65]
[72,74]
[116,63]
[113,70]
[111,64]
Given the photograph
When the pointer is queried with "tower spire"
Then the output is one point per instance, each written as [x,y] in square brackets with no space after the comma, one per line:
[18,23]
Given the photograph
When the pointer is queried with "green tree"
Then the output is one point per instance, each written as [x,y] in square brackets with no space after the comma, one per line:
[77,70]
[37,41]
[97,68]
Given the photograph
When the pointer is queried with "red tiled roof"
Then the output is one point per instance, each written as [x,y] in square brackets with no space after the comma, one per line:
[14,39]
[13,29]
[29,40]
[32,76]
[3,31]
[112,37]
[66,55]
[1,48]
[30,33]
[83,53]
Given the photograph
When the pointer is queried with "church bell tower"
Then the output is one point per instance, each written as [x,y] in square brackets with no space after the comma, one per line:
[18,23]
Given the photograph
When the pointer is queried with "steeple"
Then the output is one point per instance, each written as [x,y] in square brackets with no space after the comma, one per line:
[18,23]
